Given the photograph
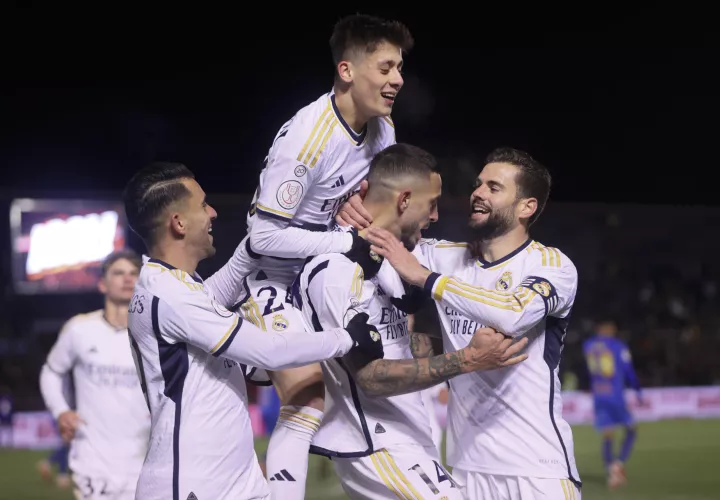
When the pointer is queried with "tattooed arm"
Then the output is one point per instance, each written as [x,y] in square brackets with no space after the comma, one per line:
[487,350]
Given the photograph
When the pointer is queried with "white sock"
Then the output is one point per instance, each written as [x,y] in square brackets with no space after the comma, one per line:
[288,451]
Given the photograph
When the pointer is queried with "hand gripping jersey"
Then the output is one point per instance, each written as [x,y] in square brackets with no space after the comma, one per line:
[315,164]
[112,443]
[331,289]
[191,353]
[507,421]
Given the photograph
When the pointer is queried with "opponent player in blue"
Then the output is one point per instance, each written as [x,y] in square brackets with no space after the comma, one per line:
[610,366]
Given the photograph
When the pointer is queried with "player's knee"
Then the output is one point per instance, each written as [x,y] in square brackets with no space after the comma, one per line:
[608,433]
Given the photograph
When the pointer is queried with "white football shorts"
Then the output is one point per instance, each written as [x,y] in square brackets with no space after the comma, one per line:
[406,472]
[103,488]
[498,487]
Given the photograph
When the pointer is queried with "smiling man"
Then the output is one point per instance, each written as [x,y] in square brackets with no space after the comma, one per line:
[506,434]
[318,159]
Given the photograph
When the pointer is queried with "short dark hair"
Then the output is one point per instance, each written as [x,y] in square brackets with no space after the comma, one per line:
[362,33]
[533,179]
[126,254]
[150,192]
[400,160]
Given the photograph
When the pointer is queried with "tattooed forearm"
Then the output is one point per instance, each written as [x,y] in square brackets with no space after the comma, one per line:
[420,345]
[391,377]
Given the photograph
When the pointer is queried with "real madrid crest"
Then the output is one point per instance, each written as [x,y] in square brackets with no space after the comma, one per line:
[279,323]
[542,287]
[374,256]
[505,282]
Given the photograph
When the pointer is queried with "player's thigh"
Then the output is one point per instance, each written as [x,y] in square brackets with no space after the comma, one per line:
[624,417]
[302,386]
[396,474]
[269,307]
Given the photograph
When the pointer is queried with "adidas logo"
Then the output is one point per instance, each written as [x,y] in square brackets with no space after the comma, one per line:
[283,475]
[339,182]
[192,496]
[379,429]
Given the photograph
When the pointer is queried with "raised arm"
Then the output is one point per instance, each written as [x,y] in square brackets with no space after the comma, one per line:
[227,283]
[549,291]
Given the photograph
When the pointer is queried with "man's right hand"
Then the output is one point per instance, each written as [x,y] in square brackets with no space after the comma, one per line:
[68,423]
[353,213]
[368,343]
[490,350]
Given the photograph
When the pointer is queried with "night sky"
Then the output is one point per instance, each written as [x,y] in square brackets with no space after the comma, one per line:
[614,116]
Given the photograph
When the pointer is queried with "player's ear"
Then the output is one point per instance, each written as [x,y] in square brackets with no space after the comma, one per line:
[177,223]
[403,200]
[345,71]
[527,207]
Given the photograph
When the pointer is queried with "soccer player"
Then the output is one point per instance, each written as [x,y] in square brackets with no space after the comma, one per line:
[109,428]
[191,351]
[376,428]
[610,366]
[317,160]
[507,437]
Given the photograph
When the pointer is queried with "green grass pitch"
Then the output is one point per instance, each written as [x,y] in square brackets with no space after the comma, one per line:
[672,460]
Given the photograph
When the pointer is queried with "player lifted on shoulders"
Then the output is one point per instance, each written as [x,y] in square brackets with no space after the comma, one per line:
[376,428]
[507,436]
[610,365]
[317,160]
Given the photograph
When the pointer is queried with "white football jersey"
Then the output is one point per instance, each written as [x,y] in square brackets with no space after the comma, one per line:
[315,164]
[330,290]
[506,421]
[191,353]
[113,440]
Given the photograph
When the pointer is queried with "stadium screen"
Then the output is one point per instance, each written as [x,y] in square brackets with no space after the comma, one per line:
[58,245]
